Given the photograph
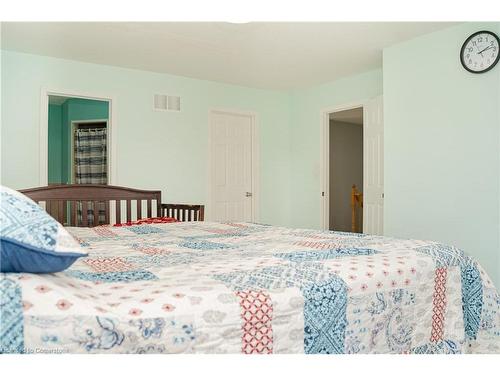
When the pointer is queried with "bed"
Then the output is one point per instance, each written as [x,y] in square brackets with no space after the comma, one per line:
[202,287]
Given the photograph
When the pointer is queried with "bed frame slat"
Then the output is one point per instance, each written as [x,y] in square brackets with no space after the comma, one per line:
[73,214]
[60,211]
[184,212]
[118,211]
[139,209]
[106,212]
[129,210]
[85,213]
[96,213]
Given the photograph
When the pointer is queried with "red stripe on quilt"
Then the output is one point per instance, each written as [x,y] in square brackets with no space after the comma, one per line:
[315,245]
[104,231]
[150,220]
[256,312]
[439,304]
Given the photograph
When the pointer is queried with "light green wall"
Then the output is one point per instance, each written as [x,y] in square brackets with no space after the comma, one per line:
[55,144]
[442,148]
[306,106]
[155,150]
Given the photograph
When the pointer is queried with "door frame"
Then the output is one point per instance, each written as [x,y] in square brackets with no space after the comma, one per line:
[324,192]
[74,125]
[255,147]
[44,129]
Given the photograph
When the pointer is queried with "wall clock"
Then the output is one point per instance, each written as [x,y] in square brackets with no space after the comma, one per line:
[479,52]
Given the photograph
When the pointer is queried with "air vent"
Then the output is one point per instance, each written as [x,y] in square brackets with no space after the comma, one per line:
[167,103]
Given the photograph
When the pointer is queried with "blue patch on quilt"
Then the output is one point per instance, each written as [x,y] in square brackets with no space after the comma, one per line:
[11,317]
[472,299]
[441,347]
[305,256]
[445,255]
[490,310]
[144,229]
[325,317]
[113,277]
[275,277]
[163,260]
[140,244]
[203,245]
[265,278]
[88,240]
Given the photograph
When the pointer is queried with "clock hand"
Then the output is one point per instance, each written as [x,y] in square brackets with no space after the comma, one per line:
[487,48]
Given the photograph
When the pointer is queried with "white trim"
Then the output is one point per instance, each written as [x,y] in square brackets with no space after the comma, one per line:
[72,142]
[255,160]
[325,158]
[44,120]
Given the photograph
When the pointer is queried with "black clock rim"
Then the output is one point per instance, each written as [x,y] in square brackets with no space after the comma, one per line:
[463,48]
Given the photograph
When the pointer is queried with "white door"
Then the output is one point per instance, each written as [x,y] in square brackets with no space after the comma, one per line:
[231,167]
[373,151]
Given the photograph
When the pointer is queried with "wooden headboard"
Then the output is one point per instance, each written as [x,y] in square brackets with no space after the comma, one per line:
[66,203]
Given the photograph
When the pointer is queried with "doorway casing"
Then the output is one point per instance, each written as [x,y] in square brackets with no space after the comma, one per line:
[373,164]
[44,129]
[325,158]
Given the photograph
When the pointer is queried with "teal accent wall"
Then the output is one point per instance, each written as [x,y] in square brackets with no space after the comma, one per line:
[59,133]
[76,109]
[55,144]
[442,145]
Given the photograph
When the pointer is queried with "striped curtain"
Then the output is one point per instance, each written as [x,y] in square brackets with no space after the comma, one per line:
[90,156]
[91,164]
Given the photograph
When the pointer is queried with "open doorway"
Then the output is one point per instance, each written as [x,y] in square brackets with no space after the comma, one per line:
[360,151]
[78,138]
[346,170]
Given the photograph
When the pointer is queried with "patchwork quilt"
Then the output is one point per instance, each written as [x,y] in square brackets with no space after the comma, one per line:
[248,288]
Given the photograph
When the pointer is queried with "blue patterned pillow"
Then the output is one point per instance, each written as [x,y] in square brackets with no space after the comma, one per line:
[30,239]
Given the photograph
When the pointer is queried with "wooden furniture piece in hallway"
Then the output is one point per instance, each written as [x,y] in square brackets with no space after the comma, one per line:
[356,201]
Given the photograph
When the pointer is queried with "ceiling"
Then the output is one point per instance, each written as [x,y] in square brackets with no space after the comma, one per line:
[268,55]
[350,116]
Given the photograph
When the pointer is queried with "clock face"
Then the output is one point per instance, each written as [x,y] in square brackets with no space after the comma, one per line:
[480,52]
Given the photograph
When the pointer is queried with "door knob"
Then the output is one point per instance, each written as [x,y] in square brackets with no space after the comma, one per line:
[248,194]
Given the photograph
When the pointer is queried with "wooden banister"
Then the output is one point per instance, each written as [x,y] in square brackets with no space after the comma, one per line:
[356,201]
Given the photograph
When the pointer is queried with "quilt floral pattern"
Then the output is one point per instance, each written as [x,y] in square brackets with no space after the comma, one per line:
[248,288]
